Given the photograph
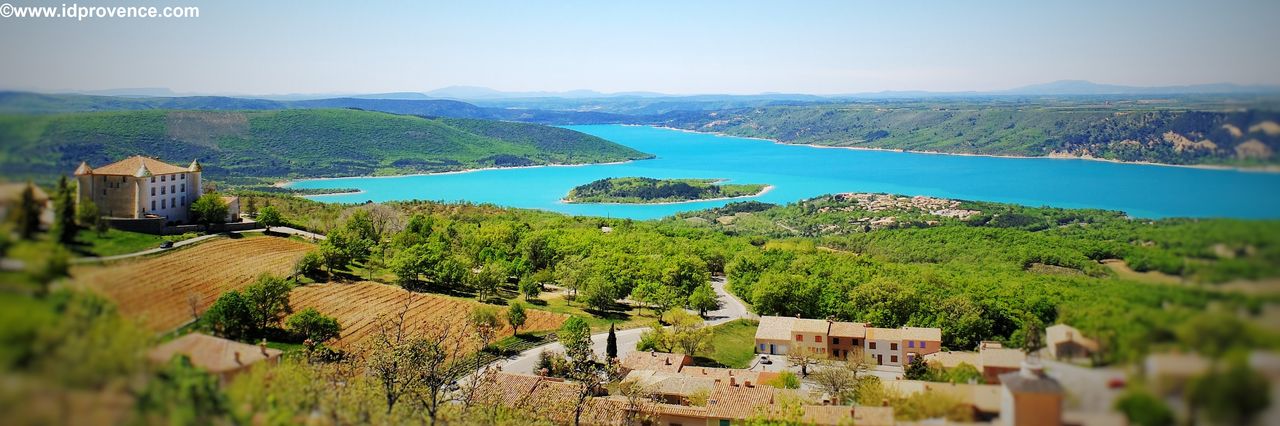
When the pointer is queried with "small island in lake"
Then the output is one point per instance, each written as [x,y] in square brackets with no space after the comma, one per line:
[642,190]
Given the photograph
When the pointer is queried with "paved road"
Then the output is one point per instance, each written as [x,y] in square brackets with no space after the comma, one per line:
[187,242]
[731,309]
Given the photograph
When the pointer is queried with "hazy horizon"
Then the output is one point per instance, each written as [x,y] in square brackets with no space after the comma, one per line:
[822,48]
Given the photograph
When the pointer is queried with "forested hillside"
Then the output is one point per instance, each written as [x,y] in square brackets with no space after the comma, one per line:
[288,143]
[1132,133]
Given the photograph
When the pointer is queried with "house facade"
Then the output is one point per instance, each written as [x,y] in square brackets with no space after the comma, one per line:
[836,339]
[1064,342]
[140,187]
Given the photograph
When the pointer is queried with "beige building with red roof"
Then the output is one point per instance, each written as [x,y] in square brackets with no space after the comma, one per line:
[140,187]
[837,339]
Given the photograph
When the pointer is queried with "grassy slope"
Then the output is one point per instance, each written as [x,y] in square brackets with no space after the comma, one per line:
[733,343]
[1027,130]
[647,190]
[268,144]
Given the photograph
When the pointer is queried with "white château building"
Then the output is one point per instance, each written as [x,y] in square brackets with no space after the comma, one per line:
[139,187]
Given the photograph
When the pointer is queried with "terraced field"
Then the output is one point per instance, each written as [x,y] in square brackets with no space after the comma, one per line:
[169,290]
[358,307]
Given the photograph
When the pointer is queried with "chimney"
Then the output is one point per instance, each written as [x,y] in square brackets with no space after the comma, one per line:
[733,381]
[262,346]
[542,372]
[747,383]
[667,361]
[238,358]
[653,353]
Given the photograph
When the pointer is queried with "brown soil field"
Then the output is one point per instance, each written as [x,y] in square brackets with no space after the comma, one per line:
[166,291]
[359,306]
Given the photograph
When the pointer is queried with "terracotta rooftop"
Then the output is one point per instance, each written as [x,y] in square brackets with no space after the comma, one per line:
[725,374]
[655,361]
[728,401]
[855,330]
[133,166]
[213,354]
[811,326]
[844,414]
[663,383]
[775,328]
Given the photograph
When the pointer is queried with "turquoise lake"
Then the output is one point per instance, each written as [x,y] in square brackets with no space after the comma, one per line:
[799,172]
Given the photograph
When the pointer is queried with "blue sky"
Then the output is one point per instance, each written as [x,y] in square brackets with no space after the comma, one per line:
[673,47]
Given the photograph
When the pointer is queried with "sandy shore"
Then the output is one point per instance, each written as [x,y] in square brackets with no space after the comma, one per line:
[1260,169]
[763,191]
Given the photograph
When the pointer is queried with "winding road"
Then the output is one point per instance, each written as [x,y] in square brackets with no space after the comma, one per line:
[731,308]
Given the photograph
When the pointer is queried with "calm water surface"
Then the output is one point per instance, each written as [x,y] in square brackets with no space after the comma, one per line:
[799,172]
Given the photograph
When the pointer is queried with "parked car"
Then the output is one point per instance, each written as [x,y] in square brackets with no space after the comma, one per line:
[764,359]
[166,245]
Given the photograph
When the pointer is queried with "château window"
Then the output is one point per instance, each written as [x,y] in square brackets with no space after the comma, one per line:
[872,345]
[153,179]
[173,201]
[162,178]
[173,188]
[184,187]
[153,191]
[162,190]
[835,340]
[153,204]
[163,205]
[817,339]
[184,177]
[893,358]
[893,346]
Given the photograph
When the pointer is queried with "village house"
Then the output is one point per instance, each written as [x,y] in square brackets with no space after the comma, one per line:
[220,357]
[655,361]
[773,335]
[1028,397]
[992,359]
[1064,342]
[11,197]
[885,346]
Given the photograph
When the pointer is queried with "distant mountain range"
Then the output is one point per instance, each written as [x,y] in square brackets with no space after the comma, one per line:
[487,95]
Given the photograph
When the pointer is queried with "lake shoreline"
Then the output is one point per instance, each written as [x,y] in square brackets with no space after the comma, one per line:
[1259,169]
[287,183]
[763,191]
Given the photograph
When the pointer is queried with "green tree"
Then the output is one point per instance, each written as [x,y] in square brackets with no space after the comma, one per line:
[689,333]
[516,316]
[309,264]
[611,344]
[269,217]
[231,316]
[704,299]
[268,299]
[64,213]
[486,281]
[571,274]
[89,216]
[917,369]
[964,373]
[182,394]
[660,298]
[1144,409]
[530,289]
[209,209]
[484,320]
[27,215]
[686,273]
[311,324]
[785,380]
[1032,334]
[575,335]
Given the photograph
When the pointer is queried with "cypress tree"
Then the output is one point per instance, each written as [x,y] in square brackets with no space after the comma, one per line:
[64,211]
[28,214]
[611,345]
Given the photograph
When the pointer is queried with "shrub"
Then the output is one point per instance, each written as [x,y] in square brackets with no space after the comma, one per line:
[311,324]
